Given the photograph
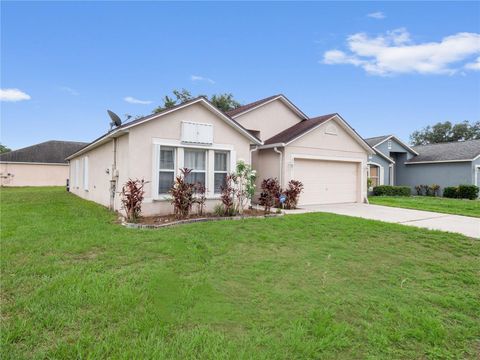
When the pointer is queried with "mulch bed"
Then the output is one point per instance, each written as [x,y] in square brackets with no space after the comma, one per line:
[152,222]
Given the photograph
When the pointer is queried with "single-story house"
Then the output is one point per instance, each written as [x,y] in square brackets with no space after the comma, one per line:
[272,134]
[42,164]
[445,164]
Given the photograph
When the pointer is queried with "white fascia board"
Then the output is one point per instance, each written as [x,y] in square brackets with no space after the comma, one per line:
[279,97]
[437,162]
[384,156]
[397,140]
[32,163]
[269,146]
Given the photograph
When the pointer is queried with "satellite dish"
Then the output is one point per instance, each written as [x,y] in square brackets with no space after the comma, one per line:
[116,121]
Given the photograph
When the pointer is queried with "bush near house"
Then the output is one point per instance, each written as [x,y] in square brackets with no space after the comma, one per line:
[461,192]
[389,190]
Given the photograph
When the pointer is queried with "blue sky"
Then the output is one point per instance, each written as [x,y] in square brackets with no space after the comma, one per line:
[385,67]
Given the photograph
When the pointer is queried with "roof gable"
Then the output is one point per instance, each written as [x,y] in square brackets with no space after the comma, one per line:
[48,152]
[296,131]
[256,104]
[199,100]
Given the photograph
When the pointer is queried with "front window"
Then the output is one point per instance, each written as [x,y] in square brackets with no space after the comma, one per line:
[221,170]
[195,160]
[166,173]
[374,171]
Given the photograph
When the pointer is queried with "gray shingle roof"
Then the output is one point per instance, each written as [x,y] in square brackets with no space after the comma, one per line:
[460,150]
[52,151]
[376,140]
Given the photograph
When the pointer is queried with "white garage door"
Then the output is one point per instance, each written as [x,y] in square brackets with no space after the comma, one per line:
[327,182]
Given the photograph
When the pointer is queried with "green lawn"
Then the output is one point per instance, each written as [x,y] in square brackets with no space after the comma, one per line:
[76,285]
[430,203]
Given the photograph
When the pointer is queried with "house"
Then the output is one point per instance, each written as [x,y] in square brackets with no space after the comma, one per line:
[42,164]
[271,134]
[445,164]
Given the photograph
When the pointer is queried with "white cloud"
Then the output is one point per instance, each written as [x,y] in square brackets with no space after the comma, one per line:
[132,100]
[13,95]
[201,78]
[377,15]
[473,65]
[395,53]
[69,90]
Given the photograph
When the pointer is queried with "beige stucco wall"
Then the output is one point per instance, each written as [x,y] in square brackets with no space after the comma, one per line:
[319,145]
[135,156]
[267,164]
[28,174]
[269,119]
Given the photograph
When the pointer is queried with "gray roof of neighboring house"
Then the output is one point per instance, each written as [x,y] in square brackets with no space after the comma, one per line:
[52,151]
[376,140]
[459,150]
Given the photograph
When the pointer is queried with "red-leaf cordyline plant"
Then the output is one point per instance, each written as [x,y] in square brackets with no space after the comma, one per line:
[292,193]
[200,197]
[270,193]
[228,195]
[182,195]
[132,197]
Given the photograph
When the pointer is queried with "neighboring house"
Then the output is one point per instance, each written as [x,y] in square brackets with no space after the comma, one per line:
[42,164]
[445,164]
[272,135]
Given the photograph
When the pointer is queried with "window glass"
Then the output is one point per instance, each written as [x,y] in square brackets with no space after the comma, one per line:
[374,175]
[219,182]
[167,158]
[220,161]
[194,159]
[165,181]
[196,177]
[221,170]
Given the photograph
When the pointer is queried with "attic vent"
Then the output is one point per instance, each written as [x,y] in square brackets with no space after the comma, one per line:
[331,129]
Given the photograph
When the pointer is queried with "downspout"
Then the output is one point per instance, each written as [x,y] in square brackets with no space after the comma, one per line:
[113,180]
[281,165]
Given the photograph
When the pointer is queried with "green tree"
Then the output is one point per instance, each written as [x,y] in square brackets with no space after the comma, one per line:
[446,132]
[4,149]
[224,102]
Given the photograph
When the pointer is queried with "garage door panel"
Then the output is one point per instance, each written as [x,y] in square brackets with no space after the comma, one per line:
[327,182]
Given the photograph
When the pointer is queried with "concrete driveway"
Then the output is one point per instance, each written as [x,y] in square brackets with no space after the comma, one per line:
[465,225]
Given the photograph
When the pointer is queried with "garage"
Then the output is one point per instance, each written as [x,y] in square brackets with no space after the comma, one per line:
[327,182]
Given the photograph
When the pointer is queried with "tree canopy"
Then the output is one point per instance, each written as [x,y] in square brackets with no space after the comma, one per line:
[4,149]
[446,132]
[224,102]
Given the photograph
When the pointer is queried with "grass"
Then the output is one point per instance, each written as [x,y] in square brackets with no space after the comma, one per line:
[430,203]
[76,285]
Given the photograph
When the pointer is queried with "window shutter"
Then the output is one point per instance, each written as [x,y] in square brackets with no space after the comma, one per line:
[197,133]
[204,134]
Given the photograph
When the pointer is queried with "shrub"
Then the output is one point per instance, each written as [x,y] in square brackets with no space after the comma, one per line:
[419,189]
[132,197]
[219,210]
[244,180]
[468,192]
[182,195]
[228,196]
[270,193]
[388,190]
[292,193]
[434,189]
[426,190]
[200,197]
[450,192]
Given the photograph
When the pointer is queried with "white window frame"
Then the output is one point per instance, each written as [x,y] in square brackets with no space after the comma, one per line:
[381,175]
[226,172]
[174,170]
[85,173]
[389,144]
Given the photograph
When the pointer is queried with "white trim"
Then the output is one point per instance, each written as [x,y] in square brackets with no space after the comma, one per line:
[436,162]
[269,146]
[391,174]
[219,113]
[476,170]
[345,126]
[398,140]
[279,97]
[326,158]
[476,157]
[179,143]
[33,163]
